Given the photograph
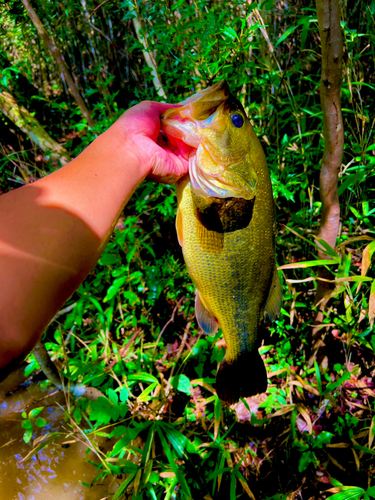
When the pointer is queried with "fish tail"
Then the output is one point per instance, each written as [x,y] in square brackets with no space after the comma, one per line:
[243,377]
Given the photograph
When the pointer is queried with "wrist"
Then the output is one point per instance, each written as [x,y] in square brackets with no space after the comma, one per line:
[131,151]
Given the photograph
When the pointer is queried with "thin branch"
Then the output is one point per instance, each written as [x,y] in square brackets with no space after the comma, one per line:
[55,53]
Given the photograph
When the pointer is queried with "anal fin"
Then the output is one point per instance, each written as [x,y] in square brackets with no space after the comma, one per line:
[273,304]
[206,320]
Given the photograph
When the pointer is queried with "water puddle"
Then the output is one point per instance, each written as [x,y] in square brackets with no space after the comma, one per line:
[54,472]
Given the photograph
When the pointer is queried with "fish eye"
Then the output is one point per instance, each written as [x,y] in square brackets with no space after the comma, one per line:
[237,120]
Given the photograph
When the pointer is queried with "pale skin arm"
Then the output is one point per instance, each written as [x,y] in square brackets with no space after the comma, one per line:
[52,232]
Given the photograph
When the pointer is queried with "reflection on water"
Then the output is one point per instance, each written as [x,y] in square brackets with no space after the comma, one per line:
[54,472]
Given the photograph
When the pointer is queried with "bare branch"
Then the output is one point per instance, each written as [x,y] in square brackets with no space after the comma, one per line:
[55,53]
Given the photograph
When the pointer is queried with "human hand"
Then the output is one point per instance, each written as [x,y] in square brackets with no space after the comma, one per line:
[161,161]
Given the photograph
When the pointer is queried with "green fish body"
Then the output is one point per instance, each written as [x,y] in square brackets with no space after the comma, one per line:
[225,225]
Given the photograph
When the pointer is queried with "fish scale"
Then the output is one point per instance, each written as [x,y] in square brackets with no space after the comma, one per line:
[228,240]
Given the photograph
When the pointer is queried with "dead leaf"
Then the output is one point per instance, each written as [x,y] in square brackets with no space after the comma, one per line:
[283,411]
[371,433]
[247,489]
[306,417]
[167,474]
[305,386]
[335,462]
[358,465]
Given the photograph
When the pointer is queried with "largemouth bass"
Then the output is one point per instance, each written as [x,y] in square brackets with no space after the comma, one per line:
[225,225]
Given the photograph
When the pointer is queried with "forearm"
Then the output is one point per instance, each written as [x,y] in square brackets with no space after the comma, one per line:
[52,233]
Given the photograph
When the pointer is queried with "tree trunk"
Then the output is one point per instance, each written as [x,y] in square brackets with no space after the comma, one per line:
[60,61]
[330,86]
[149,58]
[30,126]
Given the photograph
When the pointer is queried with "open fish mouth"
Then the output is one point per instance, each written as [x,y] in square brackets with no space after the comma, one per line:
[212,170]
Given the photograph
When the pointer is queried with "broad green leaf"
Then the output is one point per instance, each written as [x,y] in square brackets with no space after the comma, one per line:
[35,412]
[307,458]
[348,493]
[230,33]
[41,422]
[323,438]
[112,395]
[28,435]
[124,395]
[181,383]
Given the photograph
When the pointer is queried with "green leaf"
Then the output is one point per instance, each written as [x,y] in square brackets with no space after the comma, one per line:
[306,459]
[181,383]
[108,259]
[41,422]
[177,440]
[285,35]
[309,263]
[173,465]
[328,249]
[124,395]
[28,435]
[323,438]
[229,33]
[144,396]
[364,448]
[115,287]
[333,385]
[35,412]
[34,365]
[178,4]
[142,377]
[148,446]
[123,486]
[318,377]
[101,410]
[349,493]
[112,395]
[233,484]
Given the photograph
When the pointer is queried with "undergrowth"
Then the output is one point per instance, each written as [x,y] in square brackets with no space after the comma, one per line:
[130,329]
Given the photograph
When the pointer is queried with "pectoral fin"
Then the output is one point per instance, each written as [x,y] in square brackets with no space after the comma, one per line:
[273,304]
[179,227]
[206,320]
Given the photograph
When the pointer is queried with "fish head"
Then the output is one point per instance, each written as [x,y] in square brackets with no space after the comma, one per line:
[214,122]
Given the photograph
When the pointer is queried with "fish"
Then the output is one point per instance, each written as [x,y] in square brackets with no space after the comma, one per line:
[225,225]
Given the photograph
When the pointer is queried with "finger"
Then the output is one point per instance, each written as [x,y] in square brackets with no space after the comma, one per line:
[175,145]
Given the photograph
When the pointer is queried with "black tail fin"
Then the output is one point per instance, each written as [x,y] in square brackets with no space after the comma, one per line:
[244,377]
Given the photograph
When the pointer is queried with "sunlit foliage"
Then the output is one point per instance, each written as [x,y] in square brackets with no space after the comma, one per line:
[130,328]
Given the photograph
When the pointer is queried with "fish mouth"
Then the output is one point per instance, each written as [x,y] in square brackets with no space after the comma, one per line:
[211,171]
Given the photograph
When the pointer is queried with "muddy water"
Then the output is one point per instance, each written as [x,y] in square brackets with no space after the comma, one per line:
[54,472]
